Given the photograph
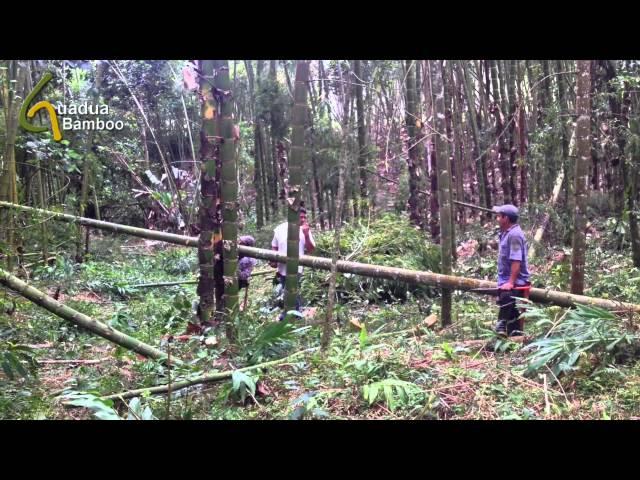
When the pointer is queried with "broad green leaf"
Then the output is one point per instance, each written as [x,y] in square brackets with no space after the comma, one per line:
[363,336]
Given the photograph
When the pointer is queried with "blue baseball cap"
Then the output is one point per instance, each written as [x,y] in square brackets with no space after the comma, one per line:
[509,210]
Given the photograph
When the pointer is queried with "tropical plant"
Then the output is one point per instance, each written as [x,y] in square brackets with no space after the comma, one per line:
[580,330]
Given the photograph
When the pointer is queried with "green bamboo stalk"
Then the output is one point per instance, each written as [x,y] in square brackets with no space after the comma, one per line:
[414,158]
[208,193]
[229,199]
[299,115]
[257,153]
[444,193]
[87,168]
[478,144]
[12,81]
[362,145]
[113,227]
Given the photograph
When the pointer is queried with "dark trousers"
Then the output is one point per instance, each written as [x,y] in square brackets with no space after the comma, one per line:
[281,280]
[508,310]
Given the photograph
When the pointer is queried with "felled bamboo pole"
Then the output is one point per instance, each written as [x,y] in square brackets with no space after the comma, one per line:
[209,378]
[164,284]
[113,227]
[562,299]
[78,318]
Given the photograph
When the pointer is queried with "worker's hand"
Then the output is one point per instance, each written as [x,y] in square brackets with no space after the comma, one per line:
[305,228]
[273,264]
[506,286]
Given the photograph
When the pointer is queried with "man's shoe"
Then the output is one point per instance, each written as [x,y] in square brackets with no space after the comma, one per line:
[501,328]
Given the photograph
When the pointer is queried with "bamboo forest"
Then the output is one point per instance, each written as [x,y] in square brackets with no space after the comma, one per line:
[319,239]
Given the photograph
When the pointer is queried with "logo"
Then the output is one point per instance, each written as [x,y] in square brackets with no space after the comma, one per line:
[53,116]
[63,109]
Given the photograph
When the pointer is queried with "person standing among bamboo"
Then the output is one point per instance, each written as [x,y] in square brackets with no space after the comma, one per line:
[279,244]
[513,272]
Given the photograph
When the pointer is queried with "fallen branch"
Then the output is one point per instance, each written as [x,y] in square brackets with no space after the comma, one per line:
[212,377]
[29,265]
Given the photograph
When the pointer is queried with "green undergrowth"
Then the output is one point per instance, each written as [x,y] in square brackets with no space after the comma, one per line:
[388,241]
[385,360]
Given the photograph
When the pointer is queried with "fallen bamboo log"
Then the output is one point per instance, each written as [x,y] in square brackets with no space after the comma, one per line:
[164,284]
[80,319]
[209,378]
[443,281]
[113,227]
[73,362]
[187,282]
[562,299]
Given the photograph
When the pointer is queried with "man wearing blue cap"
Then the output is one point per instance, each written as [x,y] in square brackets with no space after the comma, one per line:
[513,274]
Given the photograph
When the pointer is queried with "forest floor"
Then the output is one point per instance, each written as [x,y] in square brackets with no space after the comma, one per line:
[387,360]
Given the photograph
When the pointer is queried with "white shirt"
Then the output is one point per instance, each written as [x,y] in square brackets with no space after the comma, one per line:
[280,234]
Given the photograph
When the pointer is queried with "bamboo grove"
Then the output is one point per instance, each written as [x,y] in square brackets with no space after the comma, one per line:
[212,147]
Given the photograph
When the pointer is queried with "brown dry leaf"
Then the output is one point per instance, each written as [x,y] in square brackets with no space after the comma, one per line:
[354,321]
[431,320]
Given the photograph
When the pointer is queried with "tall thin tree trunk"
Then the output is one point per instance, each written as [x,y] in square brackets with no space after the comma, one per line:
[275,137]
[229,199]
[632,157]
[458,159]
[564,109]
[513,122]
[444,194]
[414,157]
[209,228]
[434,224]
[633,192]
[342,168]
[265,170]
[87,170]
[503,149]
[11,83]
[317,198]
[446,85]
[522,137]
[257,176]
[299,116]
[362,144]
[257,152]
[583,144]
[478,148]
